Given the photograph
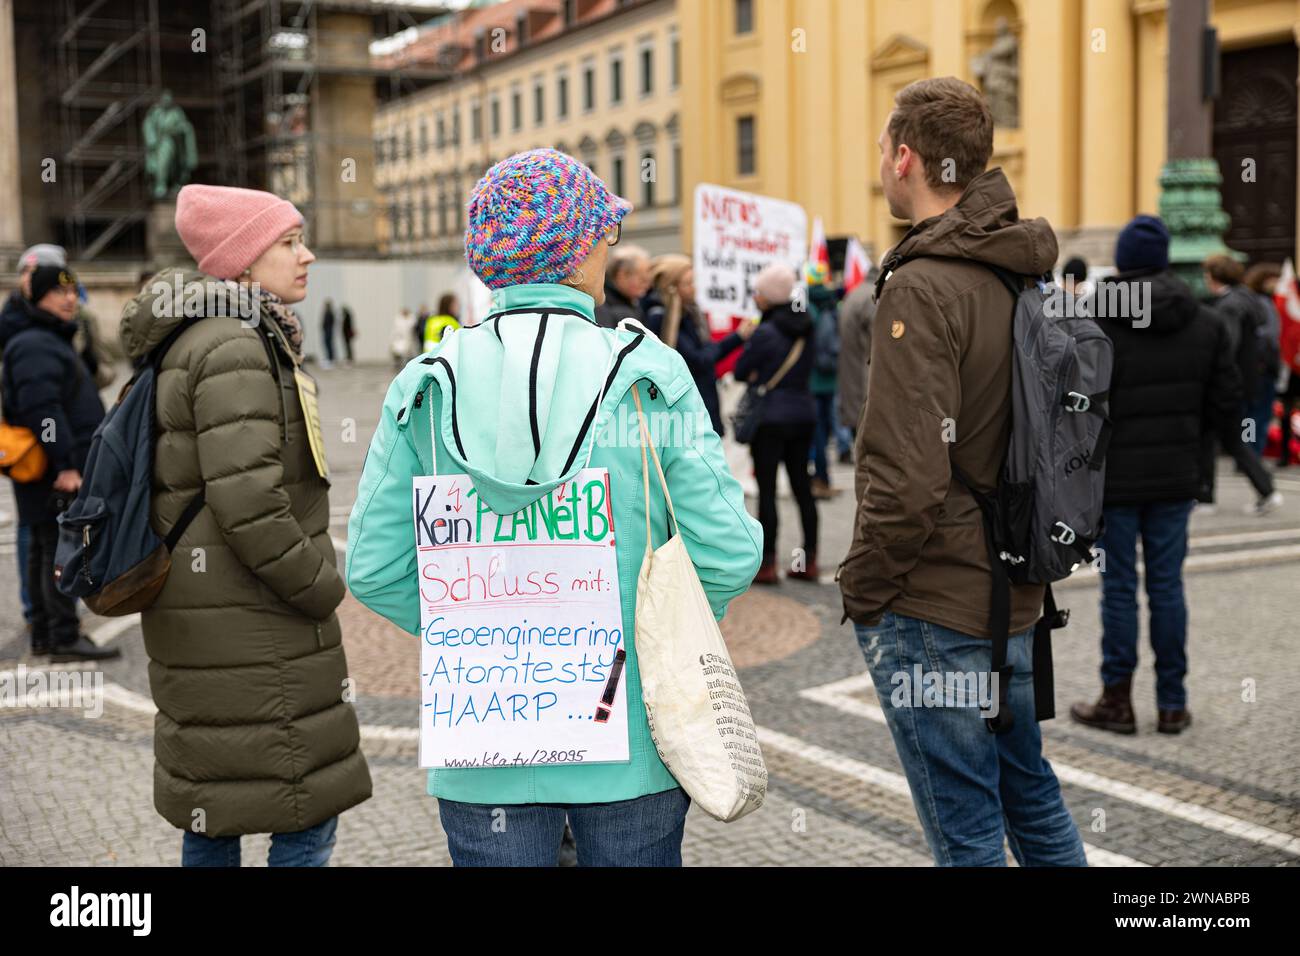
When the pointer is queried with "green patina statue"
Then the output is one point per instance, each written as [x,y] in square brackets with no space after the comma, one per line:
[169,152]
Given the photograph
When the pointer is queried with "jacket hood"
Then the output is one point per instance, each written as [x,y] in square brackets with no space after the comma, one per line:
[517,395]
[1167,299]
[985,225]
[794,324]
[19,315]
[168,298]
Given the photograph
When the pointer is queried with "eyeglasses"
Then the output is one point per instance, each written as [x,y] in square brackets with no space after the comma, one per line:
[615,234]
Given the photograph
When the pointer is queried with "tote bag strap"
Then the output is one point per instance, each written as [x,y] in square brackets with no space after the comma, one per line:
[793,356]
[645,470]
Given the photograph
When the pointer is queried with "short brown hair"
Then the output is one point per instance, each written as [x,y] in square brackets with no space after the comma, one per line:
[944,119]
[1224,270]
[1260,274]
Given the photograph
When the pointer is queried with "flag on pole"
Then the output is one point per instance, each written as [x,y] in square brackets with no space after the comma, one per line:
[818,252]
[1287,297]
[856,264]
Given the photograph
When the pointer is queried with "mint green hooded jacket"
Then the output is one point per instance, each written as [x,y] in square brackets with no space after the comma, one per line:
[514,399]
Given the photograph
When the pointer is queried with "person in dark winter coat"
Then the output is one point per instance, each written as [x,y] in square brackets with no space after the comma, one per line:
[789,415]
[626,283]
[673,316]
[348,330]
[1237,308]
[1175,385]
[49,390]
[327,333]
[857,311]
[255,726]
[823,307]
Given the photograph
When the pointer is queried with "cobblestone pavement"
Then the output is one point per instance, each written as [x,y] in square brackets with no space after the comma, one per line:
[76,789]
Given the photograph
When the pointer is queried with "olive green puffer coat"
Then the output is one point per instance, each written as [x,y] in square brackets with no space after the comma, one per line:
[246,660]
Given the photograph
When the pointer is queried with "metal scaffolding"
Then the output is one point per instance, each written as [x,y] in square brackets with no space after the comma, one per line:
[275,53]
[254,97]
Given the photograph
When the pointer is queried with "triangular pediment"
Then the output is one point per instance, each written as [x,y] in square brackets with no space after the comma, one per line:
[899,50]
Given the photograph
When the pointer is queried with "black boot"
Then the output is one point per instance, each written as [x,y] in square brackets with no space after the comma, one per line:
[1113,711]
[82,649]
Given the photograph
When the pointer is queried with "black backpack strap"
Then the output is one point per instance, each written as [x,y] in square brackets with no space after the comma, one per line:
[999,606]
[189,514]
[1044,675]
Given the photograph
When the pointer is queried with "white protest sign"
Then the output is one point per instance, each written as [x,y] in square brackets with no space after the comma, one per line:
[521,618]
[736,235]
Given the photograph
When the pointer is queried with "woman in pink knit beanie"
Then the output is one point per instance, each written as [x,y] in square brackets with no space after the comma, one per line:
[246,657]
[251,237]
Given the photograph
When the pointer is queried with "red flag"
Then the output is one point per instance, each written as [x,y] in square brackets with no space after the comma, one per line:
[1287,297]
[856,264]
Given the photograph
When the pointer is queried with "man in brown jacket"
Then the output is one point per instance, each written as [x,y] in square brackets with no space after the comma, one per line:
[916,581]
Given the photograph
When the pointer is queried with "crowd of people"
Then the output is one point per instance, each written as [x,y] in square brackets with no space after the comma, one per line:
[906,376]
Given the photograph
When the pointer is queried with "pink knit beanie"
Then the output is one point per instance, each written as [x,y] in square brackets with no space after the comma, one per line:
[225,228]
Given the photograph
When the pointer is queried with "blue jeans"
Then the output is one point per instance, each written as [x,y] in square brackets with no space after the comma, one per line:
[644,831]
[971,788]
[827,426]
[1261,411]
[310,847]
[1163,527]
[24,541]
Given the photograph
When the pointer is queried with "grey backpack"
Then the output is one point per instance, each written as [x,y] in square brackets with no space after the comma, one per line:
[108,553]
[1042,519]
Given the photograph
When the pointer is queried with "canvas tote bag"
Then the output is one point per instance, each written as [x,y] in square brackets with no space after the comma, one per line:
[699,719]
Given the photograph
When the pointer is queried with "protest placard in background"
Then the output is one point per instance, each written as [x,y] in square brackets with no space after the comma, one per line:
[736,234]
[521,622]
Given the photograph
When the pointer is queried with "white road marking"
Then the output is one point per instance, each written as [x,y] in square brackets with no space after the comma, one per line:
[837,695]
[113,628]
[891,782]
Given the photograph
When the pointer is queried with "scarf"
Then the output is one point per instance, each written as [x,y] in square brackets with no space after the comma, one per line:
[272,305]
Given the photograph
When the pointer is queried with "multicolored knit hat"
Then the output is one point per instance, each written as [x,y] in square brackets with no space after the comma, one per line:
[535,216]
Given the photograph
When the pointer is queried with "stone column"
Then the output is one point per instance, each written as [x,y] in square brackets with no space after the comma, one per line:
[1190,203]
[1106,197]
[11,197]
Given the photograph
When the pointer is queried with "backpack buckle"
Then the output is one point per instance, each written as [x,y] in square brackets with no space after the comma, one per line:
[1076,402]
[1066,535]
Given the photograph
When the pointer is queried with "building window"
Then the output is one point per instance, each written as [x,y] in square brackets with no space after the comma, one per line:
[480,46]
[745,161]
[516,109]
[496,116]
[674,61]
[570,12]
[521,29]
[648,173]
[458,203]
[539,102]
[455,127]
[647,70]
[589,87]
[562,96]
[744,16]
[424,137]
[407,138]
[410,219]
[379,151]
[476,122]
[616,167]
[440,125]
[426,218]
[615,79]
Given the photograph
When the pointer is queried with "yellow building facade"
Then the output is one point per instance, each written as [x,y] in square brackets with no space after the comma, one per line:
[787,98]
[605,88]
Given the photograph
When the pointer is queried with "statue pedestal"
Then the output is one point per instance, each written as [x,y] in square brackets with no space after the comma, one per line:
[1192,208]
[163,244]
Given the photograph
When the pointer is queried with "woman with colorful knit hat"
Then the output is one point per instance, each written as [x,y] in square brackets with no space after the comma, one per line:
[521,404]
[253,734]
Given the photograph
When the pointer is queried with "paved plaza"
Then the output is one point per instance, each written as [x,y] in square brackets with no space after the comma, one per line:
[77,789]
